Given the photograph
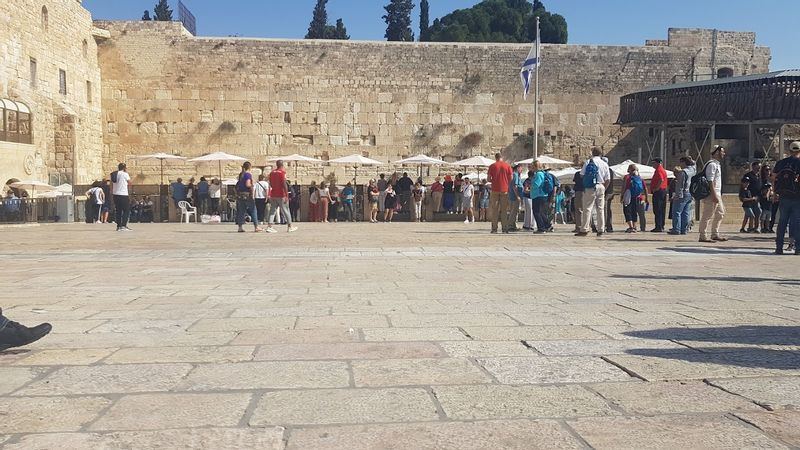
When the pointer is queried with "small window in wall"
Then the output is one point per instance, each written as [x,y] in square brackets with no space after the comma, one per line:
[725,72]
[15,122]
[85,48]
[45,19]
[34,74]
[62,82]
[88,92]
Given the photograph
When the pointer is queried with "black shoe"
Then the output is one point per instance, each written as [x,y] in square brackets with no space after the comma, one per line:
[600,234]
[16,335]
[581,234]
[656,230]
[674,233]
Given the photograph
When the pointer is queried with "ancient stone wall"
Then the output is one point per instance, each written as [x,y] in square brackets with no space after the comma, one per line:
[164,90]
[67,134]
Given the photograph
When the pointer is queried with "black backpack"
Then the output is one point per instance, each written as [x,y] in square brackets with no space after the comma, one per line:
[700,187]
[787,180]
[114,176]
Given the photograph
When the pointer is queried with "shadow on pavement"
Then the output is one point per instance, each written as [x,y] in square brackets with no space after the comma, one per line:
[733,279]
[742,334]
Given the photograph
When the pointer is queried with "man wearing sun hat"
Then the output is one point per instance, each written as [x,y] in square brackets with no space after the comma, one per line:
[786,180]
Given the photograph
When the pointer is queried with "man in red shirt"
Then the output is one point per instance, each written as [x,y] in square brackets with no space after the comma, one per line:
[658,188]
[500,175]
[279,197]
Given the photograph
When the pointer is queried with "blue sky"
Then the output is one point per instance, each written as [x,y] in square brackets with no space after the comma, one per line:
[611,22]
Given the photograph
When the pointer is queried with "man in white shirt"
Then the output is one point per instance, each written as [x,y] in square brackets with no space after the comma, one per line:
[596,177]
[713,210]
[260,194]
[122,204]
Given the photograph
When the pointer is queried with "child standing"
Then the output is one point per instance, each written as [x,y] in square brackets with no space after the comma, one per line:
[417,194]
[467,192]
[748,202]
[483,202]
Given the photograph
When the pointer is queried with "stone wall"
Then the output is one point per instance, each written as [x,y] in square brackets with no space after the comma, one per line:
[66,128]
[165,90]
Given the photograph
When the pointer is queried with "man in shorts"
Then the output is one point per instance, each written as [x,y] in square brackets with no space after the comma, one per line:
[279,198]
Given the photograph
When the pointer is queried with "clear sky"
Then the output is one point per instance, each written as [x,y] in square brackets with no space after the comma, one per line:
[612,22]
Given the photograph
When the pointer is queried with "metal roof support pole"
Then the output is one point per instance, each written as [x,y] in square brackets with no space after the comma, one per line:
[781,143]
[713,135]
[751,149]
[663,145]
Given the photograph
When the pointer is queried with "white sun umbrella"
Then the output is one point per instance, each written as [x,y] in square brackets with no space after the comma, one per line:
[475,176]
[646,172]
[475,161]
[565,176]
[546,160]
[297,160]
[33,186]
[160,157]
[356,161]
[218,157]
[422,160]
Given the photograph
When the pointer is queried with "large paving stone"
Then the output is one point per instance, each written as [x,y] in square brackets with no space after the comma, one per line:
[358,350]
[511,402]
[671,398]
[694,365]
[109,379]
[599,346]
[181,355]
[344,406]
[106,340]
[532,333]
[557,369]
[144,326]
[407,372]
[510,435]
[413,334]
[191,439]
[240,323]
[450,320]
[478,349]
[780,425]
[267,375]
[13,378]
[75,326]
[774,393]
[48,414]
[69,357]
[164,411]
[319,335]
[671,432]
[738,317]
[343,321]
[566,318]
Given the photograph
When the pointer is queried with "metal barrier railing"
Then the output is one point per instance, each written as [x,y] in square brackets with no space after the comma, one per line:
[24,210]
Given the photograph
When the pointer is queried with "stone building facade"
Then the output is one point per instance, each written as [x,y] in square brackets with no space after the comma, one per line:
[48,62]
[155,87]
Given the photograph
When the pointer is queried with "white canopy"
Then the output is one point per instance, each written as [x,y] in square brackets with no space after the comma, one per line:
[296,158]
[356,159]
[421,159]
[32,185]
[475,161]
[65,188]
[160,156]
[218,156]
[230,182]
[475,176]
[565,176]
[547,160]
[646,172]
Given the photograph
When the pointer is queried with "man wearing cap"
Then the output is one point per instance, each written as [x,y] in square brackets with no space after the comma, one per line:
[787,186]
[499,175]
[713,210]
[658,187]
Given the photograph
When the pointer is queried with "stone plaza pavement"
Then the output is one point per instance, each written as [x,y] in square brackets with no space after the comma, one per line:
[418,336]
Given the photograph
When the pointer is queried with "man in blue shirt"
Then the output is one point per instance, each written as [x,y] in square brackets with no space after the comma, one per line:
[348,194]
[202,195]
[178,191]
[515,193]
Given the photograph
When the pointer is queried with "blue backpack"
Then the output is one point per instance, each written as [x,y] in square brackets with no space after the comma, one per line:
[590,175]
[547,184]
[637,186]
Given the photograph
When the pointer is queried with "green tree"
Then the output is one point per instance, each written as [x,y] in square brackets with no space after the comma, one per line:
[398,20]
[146,15]
[338,32]
[162,11]
[500,21]
[318,28]
[424,21]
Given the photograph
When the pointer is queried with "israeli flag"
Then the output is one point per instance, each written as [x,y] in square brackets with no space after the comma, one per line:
[529,68]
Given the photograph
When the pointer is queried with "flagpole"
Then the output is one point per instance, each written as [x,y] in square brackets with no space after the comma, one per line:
[536,96]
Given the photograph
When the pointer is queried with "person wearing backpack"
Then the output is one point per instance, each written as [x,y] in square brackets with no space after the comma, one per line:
[634,193]
[527,200]
[541,189]
[786,183]
[551,200]
[713,210]
[682,199]
[596,178]
[659,186]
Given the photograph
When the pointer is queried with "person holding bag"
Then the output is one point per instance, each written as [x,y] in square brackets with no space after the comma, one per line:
[245,201]
[634,194]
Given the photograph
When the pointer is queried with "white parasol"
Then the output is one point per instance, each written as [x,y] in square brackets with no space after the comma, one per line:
[546,160]
[475,161]
[218,157]
[297,160]
[160,157]
[356,161]
[646,172]
[32,185]
[422,160]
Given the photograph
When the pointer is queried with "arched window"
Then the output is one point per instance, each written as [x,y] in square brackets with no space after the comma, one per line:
[45,19]
[85,48]
[725,72]
[15,122]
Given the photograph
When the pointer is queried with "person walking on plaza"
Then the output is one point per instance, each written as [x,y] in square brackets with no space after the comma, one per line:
[374,201]
[484,192]
[404,185]
[713,210]
[754,182]
[13,334]
[260,193]
[786,183]
[541,188]
[202,196]
[122,202]
[389,203]
[499,175]
[527,201]
[634,192]
[596,176]
[765,199]
[658,189]
[348,196]
[245,203]
[682,199]
[96,198]
[610,194]
[436,194]
[324,202]
[279,198]
[577,202]
[105,211]
[749,205]
[417,195]
[515,193]
[467,195]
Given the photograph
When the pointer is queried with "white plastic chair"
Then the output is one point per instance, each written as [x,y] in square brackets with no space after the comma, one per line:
[187,210]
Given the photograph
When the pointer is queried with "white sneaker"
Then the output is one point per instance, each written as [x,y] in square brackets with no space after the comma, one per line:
[271,230]
[466,220]
[292,229]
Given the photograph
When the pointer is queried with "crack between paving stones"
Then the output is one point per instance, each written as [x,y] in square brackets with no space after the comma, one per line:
[574,434]
[464,332]
[530,347]
[436,404]
[483,370]
[115,398]
[747,423]
[716,386]
[624,369]
[255,398]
